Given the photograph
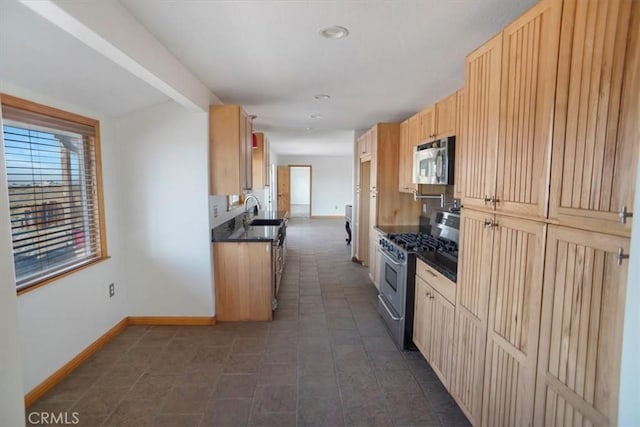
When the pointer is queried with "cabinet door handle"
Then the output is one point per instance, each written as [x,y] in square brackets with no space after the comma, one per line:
[431,272]
[621,256]
[490,223]
[624,214]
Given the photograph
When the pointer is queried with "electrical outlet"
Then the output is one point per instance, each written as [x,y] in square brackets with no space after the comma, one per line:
[112,290]
[215,211]
[424,208]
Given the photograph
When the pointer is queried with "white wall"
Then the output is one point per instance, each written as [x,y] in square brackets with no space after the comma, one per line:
[163,165]
[300,186]
[11,391]
[331,182]
[59,320]
[629,403]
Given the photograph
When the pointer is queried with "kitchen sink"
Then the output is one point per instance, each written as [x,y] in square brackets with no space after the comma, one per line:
[266,222]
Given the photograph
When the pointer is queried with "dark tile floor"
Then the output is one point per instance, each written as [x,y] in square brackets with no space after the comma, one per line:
[326,360]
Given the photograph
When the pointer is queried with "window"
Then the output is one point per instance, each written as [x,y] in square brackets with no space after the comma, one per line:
[55,196]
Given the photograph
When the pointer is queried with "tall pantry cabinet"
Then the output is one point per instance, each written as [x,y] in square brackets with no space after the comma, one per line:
[595,154]
[547,170]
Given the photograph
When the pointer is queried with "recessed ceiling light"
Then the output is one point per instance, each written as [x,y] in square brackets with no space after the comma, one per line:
[315,116]
[334,32]
[322,96]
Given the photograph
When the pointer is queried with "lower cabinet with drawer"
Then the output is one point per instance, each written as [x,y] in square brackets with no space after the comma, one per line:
[433,319]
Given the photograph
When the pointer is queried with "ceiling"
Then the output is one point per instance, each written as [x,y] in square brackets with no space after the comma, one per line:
[38,56]
[268,56]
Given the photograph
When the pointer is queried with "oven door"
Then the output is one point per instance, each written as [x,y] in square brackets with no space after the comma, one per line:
[393,282]
[391,299]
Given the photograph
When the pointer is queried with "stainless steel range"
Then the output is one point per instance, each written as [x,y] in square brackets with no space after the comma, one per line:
[436,244]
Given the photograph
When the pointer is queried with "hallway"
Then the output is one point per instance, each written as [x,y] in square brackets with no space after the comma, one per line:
[326,359]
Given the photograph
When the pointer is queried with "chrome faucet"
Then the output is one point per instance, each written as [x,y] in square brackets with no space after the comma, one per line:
[246,199]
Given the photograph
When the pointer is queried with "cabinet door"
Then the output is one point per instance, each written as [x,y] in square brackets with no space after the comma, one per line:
[469,342]
[405,160]
[441,349]
[514,322]
[258,161]
[596,132]
[427,124]
[529,59]
[422,317]
[472,301]
[581,331]
[482,97]
[244,152]
[474,263]
[459,166]
[445,115]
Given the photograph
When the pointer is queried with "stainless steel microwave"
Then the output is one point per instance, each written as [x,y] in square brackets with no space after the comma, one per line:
[433,162]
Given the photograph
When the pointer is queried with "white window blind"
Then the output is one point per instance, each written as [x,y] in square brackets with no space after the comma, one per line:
[54,192]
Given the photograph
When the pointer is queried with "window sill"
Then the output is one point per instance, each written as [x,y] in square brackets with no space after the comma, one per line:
[48,280]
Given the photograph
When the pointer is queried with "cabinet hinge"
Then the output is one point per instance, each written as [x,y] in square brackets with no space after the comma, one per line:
[621,256]
[624,214]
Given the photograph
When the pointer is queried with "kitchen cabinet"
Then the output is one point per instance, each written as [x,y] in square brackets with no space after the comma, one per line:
[365,145]
[374,256]
[230,150]
[405,157]
[471,313]
[481,115]
[434,319]
[243,278]
[378,200]
[427,124]
[423,312]
[514,320]
[445,117]
[596,132]
[510,87]
[529,67]
[581,331]
[260,161]
[458,167]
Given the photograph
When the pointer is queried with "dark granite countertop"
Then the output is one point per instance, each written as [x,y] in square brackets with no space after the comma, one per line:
[234,231]
[441,263]
[397,229]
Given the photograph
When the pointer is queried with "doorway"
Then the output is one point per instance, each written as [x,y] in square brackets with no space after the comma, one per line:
[300,187]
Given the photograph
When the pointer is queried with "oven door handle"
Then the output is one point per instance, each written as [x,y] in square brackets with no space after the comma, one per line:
[386,307]
[387,257]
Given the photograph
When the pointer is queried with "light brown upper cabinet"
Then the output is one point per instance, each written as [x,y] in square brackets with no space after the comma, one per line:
[260,161]
[446,116]
[481,119]
[529,66]
[581,332]
[458,167]
[364,145]
[596,132]
[230,150]
[427,124]
[405,159]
